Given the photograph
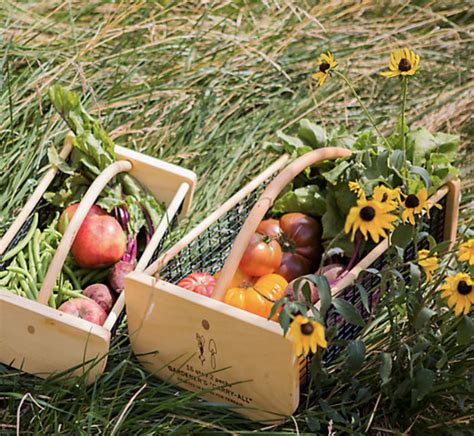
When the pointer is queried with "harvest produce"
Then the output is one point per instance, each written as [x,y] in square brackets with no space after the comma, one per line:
[115,230]
[199,282]
[262,256]
[100,242]
[101,295]
[259,297]
[299,236]
[295,290]
[85,309]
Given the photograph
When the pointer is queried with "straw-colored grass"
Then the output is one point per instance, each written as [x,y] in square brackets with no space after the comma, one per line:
[204,85]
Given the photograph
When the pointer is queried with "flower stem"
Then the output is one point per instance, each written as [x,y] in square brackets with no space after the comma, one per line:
[364,108]
[404,142]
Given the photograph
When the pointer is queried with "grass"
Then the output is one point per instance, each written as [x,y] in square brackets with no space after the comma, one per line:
[205,86]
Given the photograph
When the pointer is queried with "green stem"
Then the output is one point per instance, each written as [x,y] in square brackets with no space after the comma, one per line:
[364,108]
[404,142]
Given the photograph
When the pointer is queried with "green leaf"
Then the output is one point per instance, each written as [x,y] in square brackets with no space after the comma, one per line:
[333,175]
[424,381]
[355,355]
[284,320]
[58,162]
[465,331]
[402,235]
[415,274]
[363,296]
[312,134]
[348,312]
[424,315]
[333,219]
[305,200]
[424,175]
[385,367]
[291,140]
[324,292]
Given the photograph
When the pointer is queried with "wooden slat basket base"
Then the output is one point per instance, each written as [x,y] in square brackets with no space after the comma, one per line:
[43,341]
[230,355]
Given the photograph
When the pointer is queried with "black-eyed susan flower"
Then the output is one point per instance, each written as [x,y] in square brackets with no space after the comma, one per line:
[459,290]
[428,263]
[414,204]
[388,197]
[403,62]
[466,252]
[369,216]
[357,189]
[307,335]
[326,63]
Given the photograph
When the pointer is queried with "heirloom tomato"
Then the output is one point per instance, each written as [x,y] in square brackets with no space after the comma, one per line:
[262,256]
[199,282]
[259,297]
[300,239]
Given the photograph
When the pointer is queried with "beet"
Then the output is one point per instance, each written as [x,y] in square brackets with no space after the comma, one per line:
[101,295]
[299,283]
[117,274]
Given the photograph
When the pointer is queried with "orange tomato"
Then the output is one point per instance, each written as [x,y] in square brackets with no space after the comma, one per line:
[262,256]
[260,297]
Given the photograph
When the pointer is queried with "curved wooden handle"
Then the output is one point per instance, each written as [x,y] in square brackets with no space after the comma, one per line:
[69,235]
[261,207]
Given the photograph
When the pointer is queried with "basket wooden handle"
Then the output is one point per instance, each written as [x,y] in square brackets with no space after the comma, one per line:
[69,235]
[264,203]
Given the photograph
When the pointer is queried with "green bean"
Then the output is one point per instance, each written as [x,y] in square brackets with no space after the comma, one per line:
[25,273]
[6,279]
[31,260]
[36,247]
[73,294]
[27,289]
[22,261]
[22,244]
[46,259]
[52,301]
[3,273]
[95,276]
[72,277]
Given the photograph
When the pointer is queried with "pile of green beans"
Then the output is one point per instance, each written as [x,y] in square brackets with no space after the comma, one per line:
[29,262]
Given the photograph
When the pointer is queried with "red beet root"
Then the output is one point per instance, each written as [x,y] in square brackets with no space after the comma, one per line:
[100,242]
[101,295]
[117,275]
[84,309]
[295,287]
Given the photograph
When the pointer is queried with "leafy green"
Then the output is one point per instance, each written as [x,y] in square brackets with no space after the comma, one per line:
[306,200]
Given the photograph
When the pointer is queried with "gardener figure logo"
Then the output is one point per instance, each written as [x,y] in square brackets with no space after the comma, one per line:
[201,342]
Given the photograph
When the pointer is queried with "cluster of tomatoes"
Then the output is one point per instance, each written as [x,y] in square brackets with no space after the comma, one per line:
[279,252]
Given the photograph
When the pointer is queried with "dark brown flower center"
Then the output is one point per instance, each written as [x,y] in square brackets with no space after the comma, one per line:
[324,67]
[412,201]
[404,65]
[307,328]
[367,213]
[464,288]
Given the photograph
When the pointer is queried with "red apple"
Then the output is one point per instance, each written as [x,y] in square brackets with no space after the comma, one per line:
[85,309]
[69,212]
[99,243]
[101,295]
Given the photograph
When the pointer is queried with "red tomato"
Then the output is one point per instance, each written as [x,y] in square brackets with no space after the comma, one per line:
[199,282]
[262,256]
[300,240]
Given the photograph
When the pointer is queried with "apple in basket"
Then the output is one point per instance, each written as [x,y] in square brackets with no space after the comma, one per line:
[100,242]
[85,308]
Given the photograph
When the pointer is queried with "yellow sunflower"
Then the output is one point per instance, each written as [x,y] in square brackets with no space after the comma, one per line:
[403,62]
[414,204]
[388,197]
[459,290]
[306,335]
[369,216]
[466,252]
[357,189]
[326,63]
[428,263]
